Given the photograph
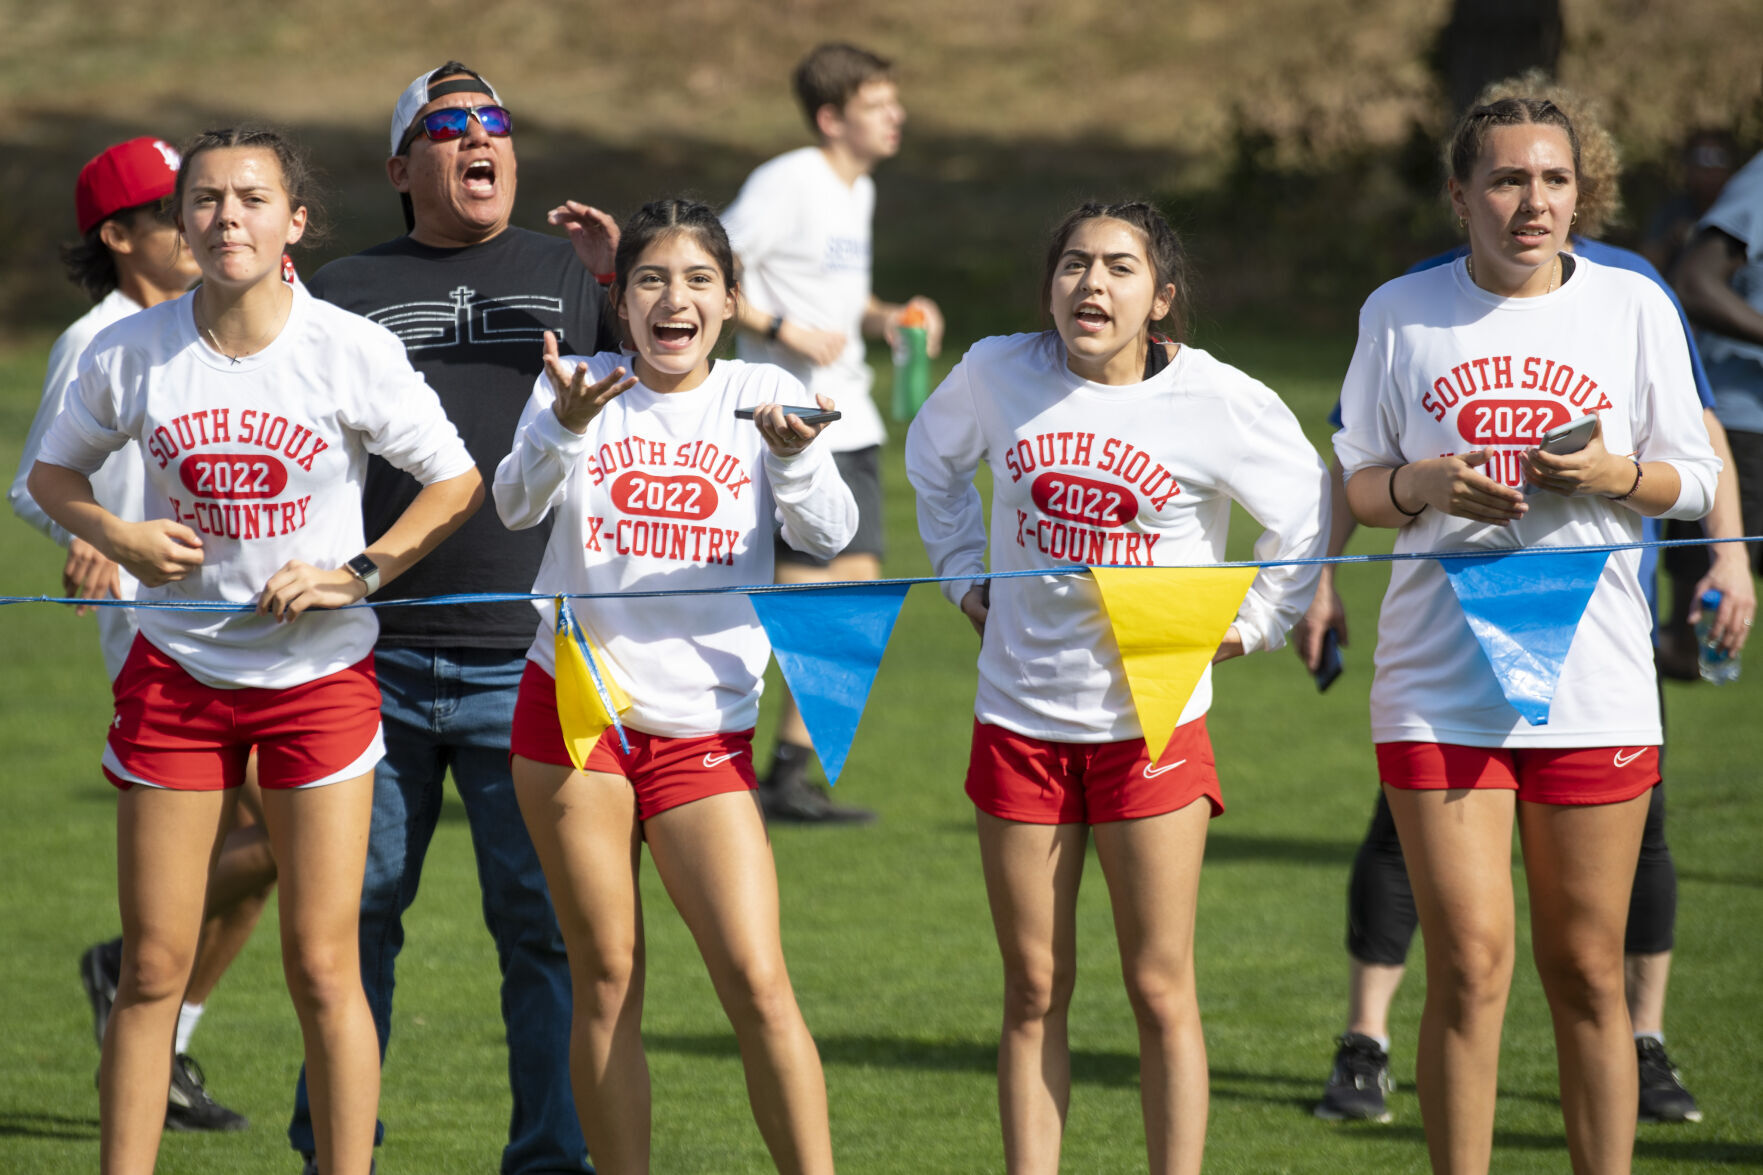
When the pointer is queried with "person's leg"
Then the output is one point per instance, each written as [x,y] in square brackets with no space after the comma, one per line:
[1032,873]
[1153,871]
[319,838]
[713,857]
[1652,920]
[1458,844]
[1579,866]
[584,831]
[406,807]
[543,1131]
[1381,921]
[238,890]
[165,843]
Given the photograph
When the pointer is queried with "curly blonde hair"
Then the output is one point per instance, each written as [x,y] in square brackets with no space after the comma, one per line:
[1600,163]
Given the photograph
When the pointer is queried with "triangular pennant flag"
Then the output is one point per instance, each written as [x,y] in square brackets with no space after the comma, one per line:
[829,643]
[588,697]
[1523,610]
[1168,622]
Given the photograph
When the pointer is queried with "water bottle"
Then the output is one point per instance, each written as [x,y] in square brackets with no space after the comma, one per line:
[911,365]
[1715,663]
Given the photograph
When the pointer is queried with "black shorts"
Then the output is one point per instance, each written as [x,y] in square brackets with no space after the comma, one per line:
[861,469]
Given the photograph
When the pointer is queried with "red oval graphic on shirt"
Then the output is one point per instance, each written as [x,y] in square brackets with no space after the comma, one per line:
[230,476]
[1508,422]
[1083,499]
[681,495]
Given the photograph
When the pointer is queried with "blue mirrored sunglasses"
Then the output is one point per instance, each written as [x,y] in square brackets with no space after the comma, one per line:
[450,122]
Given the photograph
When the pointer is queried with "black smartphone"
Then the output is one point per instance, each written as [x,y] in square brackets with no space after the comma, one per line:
[1329,667]
[805,414]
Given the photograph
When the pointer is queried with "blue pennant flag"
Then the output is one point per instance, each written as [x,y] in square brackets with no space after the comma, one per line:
[1524,610]
[829,644]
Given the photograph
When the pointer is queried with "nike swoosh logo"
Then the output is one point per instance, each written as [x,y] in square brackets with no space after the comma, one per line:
[1153,772]
[1623,760]
[719,760]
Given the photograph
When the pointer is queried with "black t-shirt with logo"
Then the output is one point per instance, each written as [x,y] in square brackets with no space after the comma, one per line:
[473,322]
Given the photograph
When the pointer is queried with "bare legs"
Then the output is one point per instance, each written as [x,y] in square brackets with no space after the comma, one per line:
[167,842]
[1152,867]
[238,891]
[714,859]
[1580,865]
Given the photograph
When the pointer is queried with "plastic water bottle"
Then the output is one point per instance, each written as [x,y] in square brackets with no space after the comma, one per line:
[911,365]
[1715,663]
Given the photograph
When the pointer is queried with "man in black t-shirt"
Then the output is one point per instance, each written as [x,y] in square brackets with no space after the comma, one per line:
[471,297]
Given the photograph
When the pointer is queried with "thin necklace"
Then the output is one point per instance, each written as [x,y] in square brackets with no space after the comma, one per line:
[233,358]
[1554,274]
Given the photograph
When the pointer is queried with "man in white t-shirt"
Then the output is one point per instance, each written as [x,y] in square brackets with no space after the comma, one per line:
[801,227]
[130,256]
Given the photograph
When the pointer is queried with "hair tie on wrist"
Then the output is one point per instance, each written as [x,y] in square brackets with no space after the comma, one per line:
[1396,504]
[1637,482]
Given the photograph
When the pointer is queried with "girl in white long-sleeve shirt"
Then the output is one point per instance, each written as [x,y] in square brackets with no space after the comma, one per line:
[1458,372]
[255,408]
[656,485]
[1106,446]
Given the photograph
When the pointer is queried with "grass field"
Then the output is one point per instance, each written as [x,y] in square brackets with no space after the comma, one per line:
[886,927]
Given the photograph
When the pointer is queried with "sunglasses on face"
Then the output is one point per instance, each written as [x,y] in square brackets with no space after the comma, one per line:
[451,122]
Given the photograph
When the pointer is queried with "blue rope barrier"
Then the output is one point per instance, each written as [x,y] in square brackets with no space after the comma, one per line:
[909,581]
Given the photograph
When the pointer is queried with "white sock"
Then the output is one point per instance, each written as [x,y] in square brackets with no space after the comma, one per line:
[188,1016]
[1658,1036]
[1383,1042]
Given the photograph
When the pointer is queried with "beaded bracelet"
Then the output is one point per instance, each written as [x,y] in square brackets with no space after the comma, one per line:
[1637,482]
[1398,505]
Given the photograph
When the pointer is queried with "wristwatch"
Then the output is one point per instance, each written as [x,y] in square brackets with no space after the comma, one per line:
[366,570]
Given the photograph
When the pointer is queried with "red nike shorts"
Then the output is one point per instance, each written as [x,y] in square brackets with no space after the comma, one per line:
[174,732]
[1540,775]
[1040,781]
[664,772]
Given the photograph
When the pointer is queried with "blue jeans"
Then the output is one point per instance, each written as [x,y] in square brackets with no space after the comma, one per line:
[454,708]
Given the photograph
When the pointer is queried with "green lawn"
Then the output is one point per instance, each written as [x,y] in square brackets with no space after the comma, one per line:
[887,932]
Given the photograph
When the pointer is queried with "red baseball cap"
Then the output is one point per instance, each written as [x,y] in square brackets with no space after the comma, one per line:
[129,174]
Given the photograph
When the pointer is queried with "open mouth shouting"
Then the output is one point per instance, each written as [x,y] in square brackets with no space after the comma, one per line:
[480,177]
[1091,318]
[674,334]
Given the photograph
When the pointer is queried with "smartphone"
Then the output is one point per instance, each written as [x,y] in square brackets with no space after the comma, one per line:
[805,414]
[1570,437]
[1329,667]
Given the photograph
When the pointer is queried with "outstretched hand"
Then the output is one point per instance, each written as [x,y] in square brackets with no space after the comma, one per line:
[785,434]
[579,401]
[593,233]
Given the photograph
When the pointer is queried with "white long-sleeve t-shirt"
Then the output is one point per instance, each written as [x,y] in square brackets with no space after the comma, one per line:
[668,491]
[1085,473]
[263,458]
[117,484]
[1445,367]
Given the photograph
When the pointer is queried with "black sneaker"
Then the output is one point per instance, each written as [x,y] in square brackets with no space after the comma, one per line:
[311,1167]
[1663,1097]
[806,803]
[100,968]
[190,1108]
[1359,1082]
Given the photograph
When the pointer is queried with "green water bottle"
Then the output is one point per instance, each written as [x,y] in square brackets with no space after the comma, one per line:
[911,365]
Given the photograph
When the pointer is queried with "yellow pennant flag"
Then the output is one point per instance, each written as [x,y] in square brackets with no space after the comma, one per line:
[1168,623]
[588,698]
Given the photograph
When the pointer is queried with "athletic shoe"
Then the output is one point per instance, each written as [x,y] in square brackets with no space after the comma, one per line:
[804,803]
[100,968]
[190,1108]
[1663,1097]
[1359,1082]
